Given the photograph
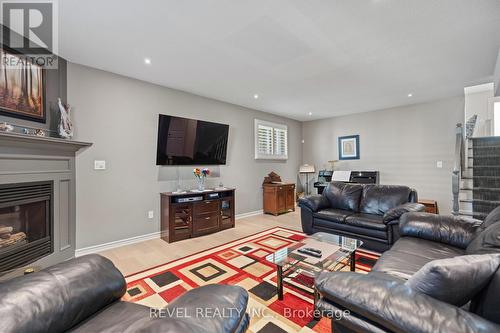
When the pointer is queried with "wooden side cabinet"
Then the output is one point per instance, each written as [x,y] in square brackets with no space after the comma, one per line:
[279,198]
[195,214]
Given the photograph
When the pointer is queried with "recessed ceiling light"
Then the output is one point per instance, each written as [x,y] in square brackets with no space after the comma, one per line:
[410,95]
[256,96]
[310,114]
[147,61]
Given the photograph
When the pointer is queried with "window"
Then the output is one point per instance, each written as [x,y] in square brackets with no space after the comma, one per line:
[271,140]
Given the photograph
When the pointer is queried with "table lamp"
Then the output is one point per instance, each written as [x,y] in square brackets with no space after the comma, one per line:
[307,169]
[332,163]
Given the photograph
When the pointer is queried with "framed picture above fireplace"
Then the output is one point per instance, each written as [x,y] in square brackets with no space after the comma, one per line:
[22,88]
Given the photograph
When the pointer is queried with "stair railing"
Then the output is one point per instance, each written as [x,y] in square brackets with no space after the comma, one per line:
[459,164]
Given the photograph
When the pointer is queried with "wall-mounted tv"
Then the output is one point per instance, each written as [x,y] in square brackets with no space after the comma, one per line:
[183,141]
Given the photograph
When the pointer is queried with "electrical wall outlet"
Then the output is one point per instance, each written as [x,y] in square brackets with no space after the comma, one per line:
[439,164]
[99,165]
[151,214]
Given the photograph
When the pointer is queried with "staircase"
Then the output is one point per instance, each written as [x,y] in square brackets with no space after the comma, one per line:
[466,186]
[480,178]
[486,175]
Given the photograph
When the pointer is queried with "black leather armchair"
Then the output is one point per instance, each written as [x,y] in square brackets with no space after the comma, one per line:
[83,295]
[367,212]
[381,301]
[445,229]
[383,305]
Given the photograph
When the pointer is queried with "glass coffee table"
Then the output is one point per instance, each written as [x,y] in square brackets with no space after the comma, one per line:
[337,252]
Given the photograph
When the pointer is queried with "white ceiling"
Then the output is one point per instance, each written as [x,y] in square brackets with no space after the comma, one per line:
[328,57]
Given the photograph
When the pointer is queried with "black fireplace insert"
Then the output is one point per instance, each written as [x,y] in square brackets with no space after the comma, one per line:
[26,223]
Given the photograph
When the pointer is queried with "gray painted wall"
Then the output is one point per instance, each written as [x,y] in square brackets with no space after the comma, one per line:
[120,116]
[402,143]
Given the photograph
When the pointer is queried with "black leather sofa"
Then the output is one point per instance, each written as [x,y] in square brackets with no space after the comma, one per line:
[83,295]
[363,211]
[384,301]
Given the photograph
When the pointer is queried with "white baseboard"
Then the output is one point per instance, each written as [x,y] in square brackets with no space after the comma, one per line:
[132,240]
[111,245]
[243,215]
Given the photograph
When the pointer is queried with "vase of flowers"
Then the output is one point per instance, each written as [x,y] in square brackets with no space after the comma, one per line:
[200,175]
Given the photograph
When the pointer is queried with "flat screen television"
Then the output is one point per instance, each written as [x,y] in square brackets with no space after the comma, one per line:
[183,141]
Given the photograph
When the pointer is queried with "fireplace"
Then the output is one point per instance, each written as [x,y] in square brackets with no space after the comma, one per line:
[25,223]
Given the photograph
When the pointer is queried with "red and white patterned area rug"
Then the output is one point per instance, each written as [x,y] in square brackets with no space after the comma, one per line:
[241,262]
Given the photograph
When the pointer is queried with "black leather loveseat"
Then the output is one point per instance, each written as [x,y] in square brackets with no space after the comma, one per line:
[83,295]
[442,275]
[362,211]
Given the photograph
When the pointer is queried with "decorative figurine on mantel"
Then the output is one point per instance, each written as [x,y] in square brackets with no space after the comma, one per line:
[5,127]
[39,132]
[65,125]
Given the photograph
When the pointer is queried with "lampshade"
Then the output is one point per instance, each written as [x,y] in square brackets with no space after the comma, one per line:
[306,168]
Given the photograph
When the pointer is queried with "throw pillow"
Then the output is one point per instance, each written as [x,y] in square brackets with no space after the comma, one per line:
[487,241]
[455,280]
[492,218]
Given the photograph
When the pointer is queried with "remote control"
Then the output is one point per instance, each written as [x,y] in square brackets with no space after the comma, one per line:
[309,253]
[312,250]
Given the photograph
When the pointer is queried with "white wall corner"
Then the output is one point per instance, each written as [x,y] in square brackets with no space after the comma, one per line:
[496,75]
[477,102]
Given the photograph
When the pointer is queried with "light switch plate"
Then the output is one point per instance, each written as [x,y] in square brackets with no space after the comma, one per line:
[439,164]
[99,165]
[150,214]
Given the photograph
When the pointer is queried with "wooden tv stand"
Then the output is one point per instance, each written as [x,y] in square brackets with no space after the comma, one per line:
[194,214]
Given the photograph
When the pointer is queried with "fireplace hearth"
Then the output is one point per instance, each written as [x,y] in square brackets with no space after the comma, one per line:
[26,223]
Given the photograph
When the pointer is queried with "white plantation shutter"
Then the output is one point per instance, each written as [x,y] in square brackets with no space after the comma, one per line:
[271,140]
[280,144]
[265,140]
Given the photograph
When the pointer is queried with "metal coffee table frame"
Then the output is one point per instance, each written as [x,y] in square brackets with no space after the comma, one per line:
[288,263]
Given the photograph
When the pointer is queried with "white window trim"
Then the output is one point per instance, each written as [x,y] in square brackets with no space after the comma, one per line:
[261,156]
[494,118]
